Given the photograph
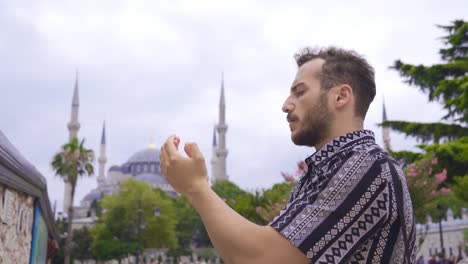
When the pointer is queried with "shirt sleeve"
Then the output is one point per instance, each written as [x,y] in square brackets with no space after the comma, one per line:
[330,223]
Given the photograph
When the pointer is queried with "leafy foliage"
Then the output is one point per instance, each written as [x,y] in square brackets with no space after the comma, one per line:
[423,187]
[460,188]
[228,190]
[275,199]
[241,201]
[405,156]
[130,223]
[428,132]
[446,83]
[452,155]
[259,206]
[82,244]
[189,229]
[73,161]
[445,181]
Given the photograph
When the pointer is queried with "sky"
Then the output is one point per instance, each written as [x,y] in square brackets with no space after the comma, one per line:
[153,68]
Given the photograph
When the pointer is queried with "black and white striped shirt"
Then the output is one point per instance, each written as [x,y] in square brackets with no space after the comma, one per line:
[352,205]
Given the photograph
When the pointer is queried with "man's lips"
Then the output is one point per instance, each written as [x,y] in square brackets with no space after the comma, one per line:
[291,119]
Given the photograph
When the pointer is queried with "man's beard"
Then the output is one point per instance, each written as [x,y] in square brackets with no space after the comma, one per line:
[315,125]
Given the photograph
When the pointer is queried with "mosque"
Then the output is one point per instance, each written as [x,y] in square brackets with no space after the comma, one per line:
[142,165]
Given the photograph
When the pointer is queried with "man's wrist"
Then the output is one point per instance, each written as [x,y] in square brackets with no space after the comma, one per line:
[199,192]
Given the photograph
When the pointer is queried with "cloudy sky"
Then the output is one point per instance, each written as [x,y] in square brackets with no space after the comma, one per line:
[152,68]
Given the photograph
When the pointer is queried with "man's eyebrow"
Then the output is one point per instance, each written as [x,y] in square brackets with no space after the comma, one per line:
[294,87]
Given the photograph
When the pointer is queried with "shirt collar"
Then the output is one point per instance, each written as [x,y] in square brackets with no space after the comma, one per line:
[349,140]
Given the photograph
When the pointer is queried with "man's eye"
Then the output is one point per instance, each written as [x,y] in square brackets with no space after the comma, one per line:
[299,93]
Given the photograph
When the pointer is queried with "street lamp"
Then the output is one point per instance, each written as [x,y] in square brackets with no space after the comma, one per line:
[423,230]
[142,225]
[440,208]
[157,212]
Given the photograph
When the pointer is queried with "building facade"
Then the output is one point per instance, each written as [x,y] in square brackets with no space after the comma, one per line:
[27,229]
[453,239]
[142,165]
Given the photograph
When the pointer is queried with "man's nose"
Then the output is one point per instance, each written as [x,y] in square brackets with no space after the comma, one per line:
[288,106]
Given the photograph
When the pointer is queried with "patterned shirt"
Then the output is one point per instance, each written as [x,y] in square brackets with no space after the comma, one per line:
[352,205]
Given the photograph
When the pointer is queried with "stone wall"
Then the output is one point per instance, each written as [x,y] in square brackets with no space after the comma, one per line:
[452,235]
[16,218]
[453,242]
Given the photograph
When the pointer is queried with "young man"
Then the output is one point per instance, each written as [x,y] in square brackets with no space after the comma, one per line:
[353,204]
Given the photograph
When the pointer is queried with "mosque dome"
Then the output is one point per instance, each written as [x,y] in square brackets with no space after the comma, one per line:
[151,178]
[93,195]
[150,154]
[143,161]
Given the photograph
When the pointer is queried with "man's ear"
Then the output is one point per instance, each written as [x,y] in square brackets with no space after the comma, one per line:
[343,95]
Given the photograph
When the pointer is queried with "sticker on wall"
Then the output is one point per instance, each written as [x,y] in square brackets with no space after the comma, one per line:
[26,222]
[7,207]
[19,224]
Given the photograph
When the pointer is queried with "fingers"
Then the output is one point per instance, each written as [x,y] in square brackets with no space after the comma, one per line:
[171,145]
[163,160]
[193,151]
[169,151]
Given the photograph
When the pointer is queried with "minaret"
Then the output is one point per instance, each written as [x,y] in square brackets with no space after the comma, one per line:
[214,158]
[73,127]
[101,179]
[221,151]
[385,130]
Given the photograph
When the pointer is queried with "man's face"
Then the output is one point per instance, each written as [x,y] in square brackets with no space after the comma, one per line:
[307,106]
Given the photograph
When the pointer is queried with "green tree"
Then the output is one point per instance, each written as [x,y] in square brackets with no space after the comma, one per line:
[62,228]
[96,208]
[451,155]
[73,161]
[445,83]
[228,190]
[460,188]
[259,206]
[81,247]
[241,201]
[444,152]
[422,188]
[278,193]
[189,228]
[135,218]
[275,199]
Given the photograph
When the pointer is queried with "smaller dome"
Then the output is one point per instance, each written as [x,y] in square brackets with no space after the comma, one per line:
[146,155]
[114,168]
[93,195]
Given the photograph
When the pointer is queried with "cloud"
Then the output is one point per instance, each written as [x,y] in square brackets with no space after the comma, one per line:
[152,68]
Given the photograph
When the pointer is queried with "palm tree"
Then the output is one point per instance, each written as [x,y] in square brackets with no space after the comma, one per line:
[72,161]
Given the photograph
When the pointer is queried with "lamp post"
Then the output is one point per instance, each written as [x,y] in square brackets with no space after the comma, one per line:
[142,225]
[440,208]
[138,231]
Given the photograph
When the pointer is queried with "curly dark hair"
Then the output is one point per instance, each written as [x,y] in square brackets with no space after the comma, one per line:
[343,67]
